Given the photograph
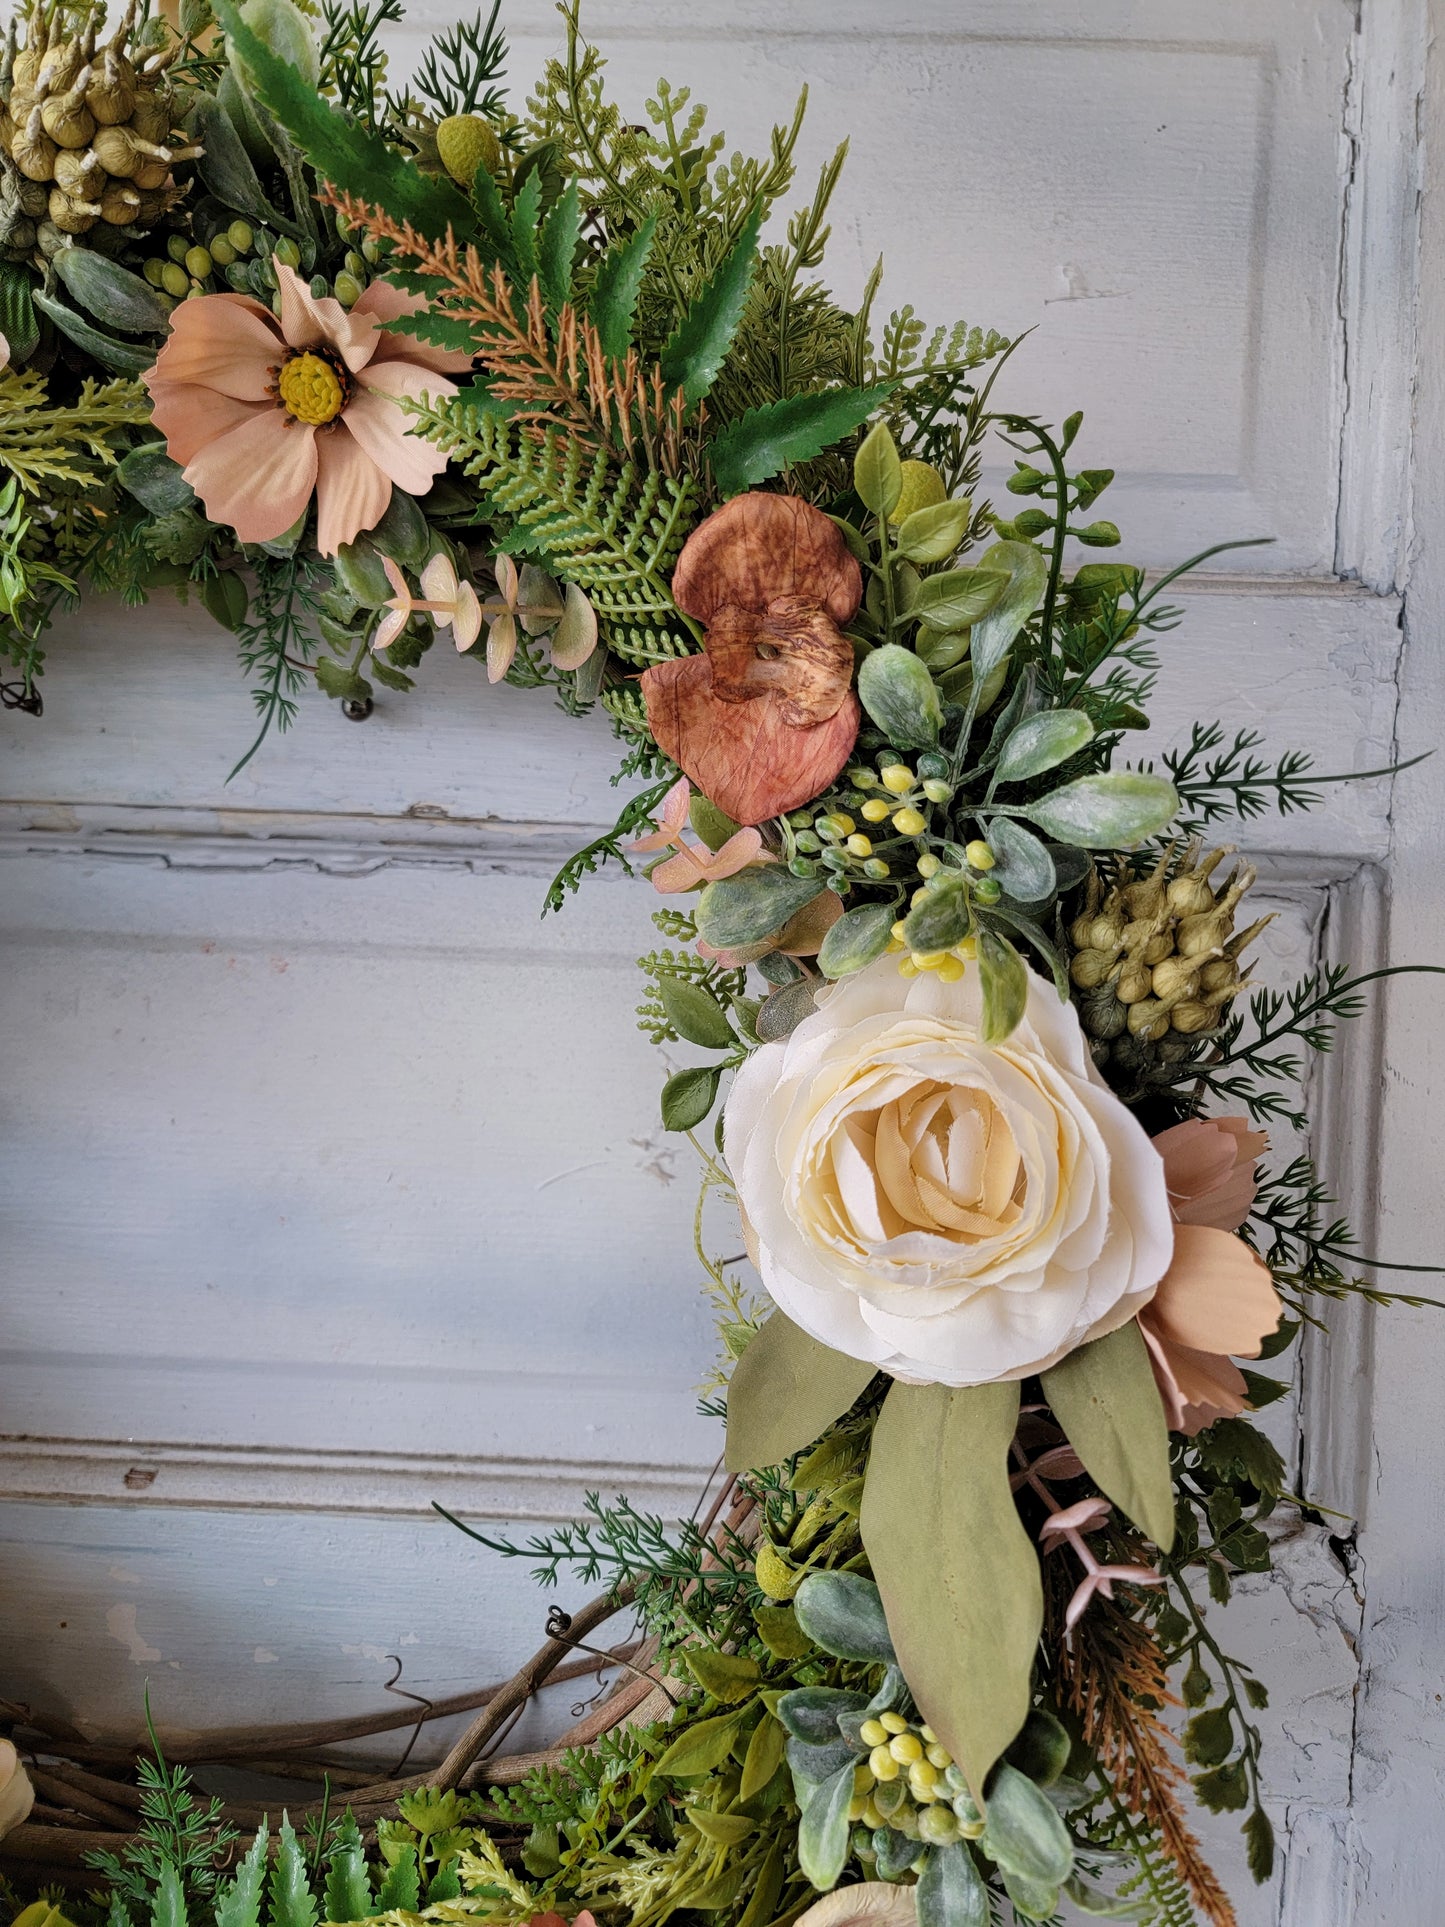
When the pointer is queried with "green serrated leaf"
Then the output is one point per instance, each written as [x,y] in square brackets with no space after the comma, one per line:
[878,471]
[688,1096]
[785,1391]
[1209,1737]
[617,286]
[1042,742]
[292,1903]
[695,1014]
[400,1888]
[1105,1398]
[1110,812]
[965,1628]
[239,1903]
[1225,1789]
[168,1908]
[348,1890]
[693,357]
[762,442]
[340,681]
[526,209]
[1259,1845]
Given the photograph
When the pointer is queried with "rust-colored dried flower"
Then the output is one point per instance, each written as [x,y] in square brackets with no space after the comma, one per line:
[766,717]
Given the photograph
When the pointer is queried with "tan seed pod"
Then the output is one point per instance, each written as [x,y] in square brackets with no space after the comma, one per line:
[59,65]
[111,95]
[1144,898]
[124,153]
[1223,975]
[1106,931]
[1158,948]
[33,151]
[1149,1019]
[1101,1013]
[151,116]
[1081,930]
[67,119]
[1198,935]
[1237,945]
[1136,982]
[26,71]
[1091,968]
[34,197]
[78,172]
[120,204]
[72,216]
[1176,977]
[151,174]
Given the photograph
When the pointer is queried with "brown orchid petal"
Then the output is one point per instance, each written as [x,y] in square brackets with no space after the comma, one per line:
[759,547]
[792,651]
[743,756]
[1217,1295]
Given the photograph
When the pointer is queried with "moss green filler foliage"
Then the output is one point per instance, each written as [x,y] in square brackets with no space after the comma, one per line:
[650,338]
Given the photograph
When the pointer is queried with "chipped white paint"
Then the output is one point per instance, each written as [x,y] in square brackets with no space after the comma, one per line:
[331,1178]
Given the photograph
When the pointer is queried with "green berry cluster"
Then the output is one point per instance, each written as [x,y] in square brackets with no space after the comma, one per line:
[245,260]
[909,1784]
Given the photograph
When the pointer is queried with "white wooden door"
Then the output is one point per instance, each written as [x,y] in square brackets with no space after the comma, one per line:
[332,1178]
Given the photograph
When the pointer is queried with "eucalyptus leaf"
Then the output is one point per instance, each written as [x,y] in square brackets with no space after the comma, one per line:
[843,1613]
[932,534]
[1042,742]
[120,357]
[965,1623]
[901,697]
[781,1013]
[743,909]
[1109,812]
[878,471]
[951,1891]
[856,940]
[959,598]
[556,245]
[1024,1834]
[695,1014]
[226,168]
[1028,575]
[1023,865]
[156,482]
[785,1391]
[823,1830]
[688,1096]
[1004,980]
[116,297]
[1105,1398]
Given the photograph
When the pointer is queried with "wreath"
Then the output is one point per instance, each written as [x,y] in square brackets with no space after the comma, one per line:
[365,370]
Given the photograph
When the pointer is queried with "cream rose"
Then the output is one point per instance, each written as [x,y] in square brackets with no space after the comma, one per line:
[956,1213]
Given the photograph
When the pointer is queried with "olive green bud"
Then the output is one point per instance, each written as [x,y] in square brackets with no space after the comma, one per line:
[286,253]
[155,272]
[240,236]
[320,287]
[198,263]
[222,253]
[371,250]
[347,289]
[175,280]
[355,263]
[988,889]
[177,247]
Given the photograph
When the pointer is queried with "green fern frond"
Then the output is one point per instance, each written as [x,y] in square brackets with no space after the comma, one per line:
[41,443]
[610,528]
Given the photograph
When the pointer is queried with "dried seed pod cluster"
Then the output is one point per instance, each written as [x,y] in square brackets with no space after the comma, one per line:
[1155,954]
[86,127]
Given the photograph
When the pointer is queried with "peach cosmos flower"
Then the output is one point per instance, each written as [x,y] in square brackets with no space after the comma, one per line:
[1217,1300]
[261,412]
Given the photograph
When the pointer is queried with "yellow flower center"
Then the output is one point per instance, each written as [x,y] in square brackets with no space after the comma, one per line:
[311,390]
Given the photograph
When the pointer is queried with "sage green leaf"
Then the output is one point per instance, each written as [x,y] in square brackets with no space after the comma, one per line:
[1105,1398]
[168,1909]
[1109,812]
[1097,1905]
[944,651]
[895,688]
[959,598]
[713,825]
[1259,1844]
[292,1904]
[950,1891]
[1042,742]
[348,1890]
[785,1391]
[812,1713]
[1028,576]
[744,909]
[694,1014]
[940,921]
[226,168]
[557,244]
[762,442]
[780,1632]
[856,939]
[958,1574]
[1209,1737]
[764,1755]
[811,1765]
[933,533]
[340,681]
[1041,1751]
[1031,1899]
[693,357]
[617,286]
[688,1096]
[729,1677]
[701,1747]
[239,1902]
[1023,864]
[1003,977]
[400,1887]
[823,1830]
[223,596]
[17,312]
[1024,1833]
[780,1014]
[116,297]
[878,471]
[895,1850]
[120,357]
[156,482]
[843,1613]
[339,148]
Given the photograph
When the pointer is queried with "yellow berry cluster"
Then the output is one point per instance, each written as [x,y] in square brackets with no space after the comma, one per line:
[909,1782]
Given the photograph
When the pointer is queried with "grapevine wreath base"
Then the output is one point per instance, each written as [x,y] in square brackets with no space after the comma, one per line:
[964,991]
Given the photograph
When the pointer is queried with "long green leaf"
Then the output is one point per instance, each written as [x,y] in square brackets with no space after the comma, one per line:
[763,441]
[785,1391]
[958,1574]
[1028,573]
[823,1829]
[1105,1398]
[292,1904]
[17,312]
[339,149]
[1109,812]
[240,1901]
[950,1890]
[692,358]
[168,1909]
[526,209]
[615,291]
[121,357]
[557,246]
